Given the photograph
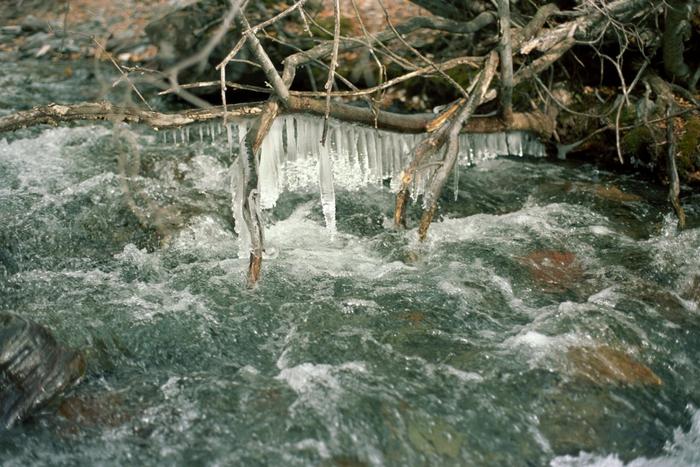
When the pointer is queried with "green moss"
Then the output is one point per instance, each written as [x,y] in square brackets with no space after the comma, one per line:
[637,140]
[688,144]
[628,115]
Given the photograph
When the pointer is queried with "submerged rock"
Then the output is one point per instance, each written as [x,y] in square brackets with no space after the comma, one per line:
[605,365]
[553,270]
[34,368]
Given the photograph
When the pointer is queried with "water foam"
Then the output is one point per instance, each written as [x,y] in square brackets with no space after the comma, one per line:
[682,451]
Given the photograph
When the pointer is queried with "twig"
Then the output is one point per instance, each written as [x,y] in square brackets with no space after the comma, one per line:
[452,151]
[417,53]
[125,75]
[202,55]
[331,69]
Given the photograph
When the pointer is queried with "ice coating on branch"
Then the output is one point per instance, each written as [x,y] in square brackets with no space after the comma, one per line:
[354,156]
[239,176]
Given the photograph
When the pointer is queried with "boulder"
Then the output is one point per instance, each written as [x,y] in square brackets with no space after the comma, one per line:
[34,368]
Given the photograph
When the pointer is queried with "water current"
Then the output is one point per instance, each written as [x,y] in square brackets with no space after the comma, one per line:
[552,317]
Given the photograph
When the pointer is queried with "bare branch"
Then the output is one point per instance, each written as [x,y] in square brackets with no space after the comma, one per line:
[331,69]
[506,54]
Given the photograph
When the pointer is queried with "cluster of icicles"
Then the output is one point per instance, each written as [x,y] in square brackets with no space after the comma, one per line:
[354,156]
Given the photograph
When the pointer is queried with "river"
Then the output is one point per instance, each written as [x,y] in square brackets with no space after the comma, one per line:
[551,318]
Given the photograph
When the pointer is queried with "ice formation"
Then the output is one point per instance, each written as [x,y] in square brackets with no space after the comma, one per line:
[354,156]
[239,174]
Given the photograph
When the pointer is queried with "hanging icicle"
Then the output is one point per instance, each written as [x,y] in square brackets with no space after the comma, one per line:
[292,159]
[239,173]
[272,152]
[326,185]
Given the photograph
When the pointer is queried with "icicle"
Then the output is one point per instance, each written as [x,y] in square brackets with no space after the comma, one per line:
[397,165]
[407,143]
[353,156]
[379,155]
[292,145]
[201,136]
[229,139]
[272,151]
[362,156]
[239,174]
[338,141]
[463,157]
[370,140]
[305,137]
[325,184]
[387,152]
[456,181]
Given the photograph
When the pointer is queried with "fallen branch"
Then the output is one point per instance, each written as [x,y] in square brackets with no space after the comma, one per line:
[54,114]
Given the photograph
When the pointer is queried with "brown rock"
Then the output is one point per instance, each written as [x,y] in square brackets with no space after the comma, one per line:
[605,365]
[553,270]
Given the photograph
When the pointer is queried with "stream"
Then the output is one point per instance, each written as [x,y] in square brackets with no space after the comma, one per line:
[551,318]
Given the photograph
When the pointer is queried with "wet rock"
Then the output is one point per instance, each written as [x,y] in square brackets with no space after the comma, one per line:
[553,270]
[613,193]
[434,437]
[97,411]
[605,365]
[34,368]
[606,192]
[692,290]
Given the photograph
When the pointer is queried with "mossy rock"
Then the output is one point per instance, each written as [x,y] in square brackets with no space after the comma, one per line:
[689,146]
[637,140]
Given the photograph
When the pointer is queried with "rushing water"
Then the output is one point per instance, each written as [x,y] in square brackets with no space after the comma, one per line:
[551,317]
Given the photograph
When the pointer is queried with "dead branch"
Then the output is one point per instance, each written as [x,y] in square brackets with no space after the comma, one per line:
[331,69]
[280,87]
[292,62]
[54,114]
[506,54]
[438,180]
